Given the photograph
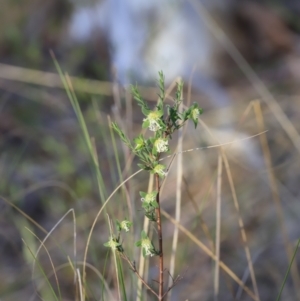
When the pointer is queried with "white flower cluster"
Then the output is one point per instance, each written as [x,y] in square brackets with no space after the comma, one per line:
[161,145]
[112,243]
[125,225]
[149,198]
[153,118]
[195,113]
[148,247]
[159,169]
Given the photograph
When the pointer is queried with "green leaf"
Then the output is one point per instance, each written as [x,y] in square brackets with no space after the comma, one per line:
[146,124]
[146,206]
[179,92]
[143,194]
[151,215]
[139,142]
[119,226]
[137,96]
[160,105]
[142,166]
[154,151]
[161,83]
[154,204]
[121,134]
[145,111]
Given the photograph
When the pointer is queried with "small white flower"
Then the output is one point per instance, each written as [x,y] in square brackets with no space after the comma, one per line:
[195,113]
[153,118]
[147,246]
[125,225]
[149,198]
[161,145]
[112,243]
[154,126]
[159,169]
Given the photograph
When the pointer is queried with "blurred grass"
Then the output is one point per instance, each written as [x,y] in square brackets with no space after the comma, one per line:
[68,147]
[46,169]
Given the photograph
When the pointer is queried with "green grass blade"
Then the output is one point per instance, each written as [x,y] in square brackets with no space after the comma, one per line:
[42,271]
[74,101]
[121,278]
[288,271]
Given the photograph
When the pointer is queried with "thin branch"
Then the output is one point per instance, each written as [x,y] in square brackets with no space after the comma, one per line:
[160,242]
[175,281]
[133,268]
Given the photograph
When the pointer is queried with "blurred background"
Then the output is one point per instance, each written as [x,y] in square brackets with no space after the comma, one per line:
[240,60]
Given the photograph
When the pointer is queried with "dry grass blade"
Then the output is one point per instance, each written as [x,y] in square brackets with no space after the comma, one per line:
[52,230]
[218,228]
[275,194]
[24,214]
[142,258]
[42,244]
[41,269]
[80,284]
[208,252]
[178,206]
[96,219]
[197,208]
[52,80]
[241,224]
[257,83]
[236,204]
[41,185]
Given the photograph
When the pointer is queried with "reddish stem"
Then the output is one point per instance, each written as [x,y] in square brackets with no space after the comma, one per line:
[160,244]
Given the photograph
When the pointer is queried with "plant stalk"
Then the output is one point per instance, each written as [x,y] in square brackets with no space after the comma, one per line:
[160,243]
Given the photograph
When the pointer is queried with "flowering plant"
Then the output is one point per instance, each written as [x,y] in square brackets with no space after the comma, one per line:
[163,123]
